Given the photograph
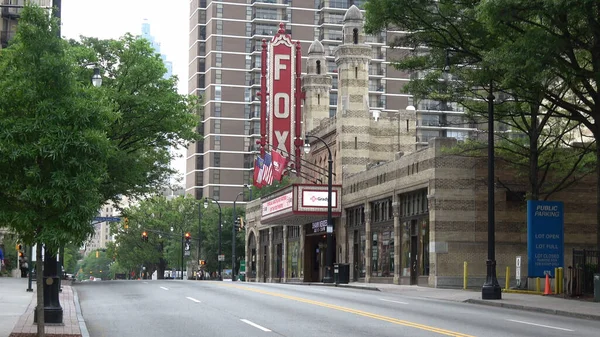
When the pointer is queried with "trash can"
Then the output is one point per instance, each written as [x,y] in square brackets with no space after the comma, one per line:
[596,287]
[341,273]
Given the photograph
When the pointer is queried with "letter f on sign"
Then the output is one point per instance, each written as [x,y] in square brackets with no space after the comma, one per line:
[280,66]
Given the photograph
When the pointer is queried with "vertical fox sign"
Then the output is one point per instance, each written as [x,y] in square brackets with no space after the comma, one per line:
[282,92]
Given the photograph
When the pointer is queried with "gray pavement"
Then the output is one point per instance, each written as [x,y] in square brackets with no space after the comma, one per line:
[554,304]
[188,308]
[14,300]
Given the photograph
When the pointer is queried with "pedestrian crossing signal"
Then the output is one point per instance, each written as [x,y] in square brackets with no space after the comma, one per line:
[144,237]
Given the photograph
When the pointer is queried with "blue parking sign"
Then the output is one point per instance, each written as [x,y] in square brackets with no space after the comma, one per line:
[545,237]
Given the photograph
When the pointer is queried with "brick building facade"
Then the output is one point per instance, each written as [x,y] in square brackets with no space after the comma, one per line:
[408,214]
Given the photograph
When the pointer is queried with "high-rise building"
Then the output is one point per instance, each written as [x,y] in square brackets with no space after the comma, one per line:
[10,11]
[156,46]
[225,53]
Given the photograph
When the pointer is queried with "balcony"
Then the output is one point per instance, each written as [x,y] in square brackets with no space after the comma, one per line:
[270,2]
[11,13]
[5,37]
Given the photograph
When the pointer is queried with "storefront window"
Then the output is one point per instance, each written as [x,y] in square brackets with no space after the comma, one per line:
[383,254]
[294,262]
[363,258]
[406,248]
[425,245]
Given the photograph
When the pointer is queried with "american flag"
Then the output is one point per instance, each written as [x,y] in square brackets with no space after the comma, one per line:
[267,177]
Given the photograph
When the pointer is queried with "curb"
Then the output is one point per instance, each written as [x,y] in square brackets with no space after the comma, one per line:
[534,309]
[82,326]
[333,285]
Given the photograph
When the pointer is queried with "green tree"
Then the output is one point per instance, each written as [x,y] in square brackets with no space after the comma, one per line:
[53,144]
[462,34]
[152,116]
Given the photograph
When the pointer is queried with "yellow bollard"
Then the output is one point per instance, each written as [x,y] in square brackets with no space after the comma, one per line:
[507,281]
[555,281]
[465,273]
[537,285]
[561,279]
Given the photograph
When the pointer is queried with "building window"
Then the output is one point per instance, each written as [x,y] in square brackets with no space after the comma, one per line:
[217,159]
[217,93]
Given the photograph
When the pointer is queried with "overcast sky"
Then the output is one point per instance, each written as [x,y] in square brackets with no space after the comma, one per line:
[111,19]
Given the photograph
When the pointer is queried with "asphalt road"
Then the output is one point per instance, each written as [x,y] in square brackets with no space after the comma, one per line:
[205,308]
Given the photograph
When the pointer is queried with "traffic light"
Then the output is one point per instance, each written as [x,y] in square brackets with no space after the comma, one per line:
[19,247]
[188,241]
[144,236]
[202,262]
[126,223]
[97,254]
[21,254]
[239,224]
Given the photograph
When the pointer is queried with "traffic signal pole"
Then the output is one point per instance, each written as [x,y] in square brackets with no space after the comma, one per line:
[182,243]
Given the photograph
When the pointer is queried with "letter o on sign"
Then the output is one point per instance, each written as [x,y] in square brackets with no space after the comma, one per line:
[286,105]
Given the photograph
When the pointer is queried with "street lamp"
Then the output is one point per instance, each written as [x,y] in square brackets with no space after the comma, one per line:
[329,252]
[233,231]
[96,78]
[220,230]
[491,289]
[181,238]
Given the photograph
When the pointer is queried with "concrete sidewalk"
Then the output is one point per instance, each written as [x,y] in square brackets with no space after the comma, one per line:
[17,321]
[14,301]
[552,304]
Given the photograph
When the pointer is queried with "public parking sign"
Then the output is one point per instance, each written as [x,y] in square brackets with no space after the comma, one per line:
[545,237]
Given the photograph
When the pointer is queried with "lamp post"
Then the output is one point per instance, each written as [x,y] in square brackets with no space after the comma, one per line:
[220,230]
[199,235]
[181,238]
[233,231]
[329,252]
[491,289]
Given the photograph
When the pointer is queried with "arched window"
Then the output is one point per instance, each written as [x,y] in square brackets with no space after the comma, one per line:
[355,35]
[318,67]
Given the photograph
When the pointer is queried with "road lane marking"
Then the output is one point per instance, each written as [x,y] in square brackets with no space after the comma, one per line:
[354,311]
[193,299]
[146,282]
[255,325]
[540,325]
[383,299]
[163,288]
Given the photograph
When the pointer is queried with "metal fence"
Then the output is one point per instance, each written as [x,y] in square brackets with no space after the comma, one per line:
[581,273]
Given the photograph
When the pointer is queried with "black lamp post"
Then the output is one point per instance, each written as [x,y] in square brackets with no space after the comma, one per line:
[329,252]
[233,227]
[220,230]
[181,243]
[199,235]
[491,289]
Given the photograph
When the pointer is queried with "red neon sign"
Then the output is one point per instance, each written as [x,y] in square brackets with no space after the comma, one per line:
[282,116]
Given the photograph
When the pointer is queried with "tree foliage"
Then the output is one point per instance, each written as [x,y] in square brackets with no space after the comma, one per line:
[545,54]
[53,144]
[152,116]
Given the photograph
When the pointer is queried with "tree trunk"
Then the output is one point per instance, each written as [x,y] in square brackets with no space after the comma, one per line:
[597,200]
[534,154]
[39,277]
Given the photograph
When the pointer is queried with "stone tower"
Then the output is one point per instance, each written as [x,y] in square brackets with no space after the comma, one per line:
[316,85]
[353,117]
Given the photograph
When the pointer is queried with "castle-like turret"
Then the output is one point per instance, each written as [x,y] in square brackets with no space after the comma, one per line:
[353,117]
[316,85]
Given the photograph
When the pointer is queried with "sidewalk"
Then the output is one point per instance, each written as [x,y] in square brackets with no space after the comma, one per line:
[20,322]
[553,304]
[14,301]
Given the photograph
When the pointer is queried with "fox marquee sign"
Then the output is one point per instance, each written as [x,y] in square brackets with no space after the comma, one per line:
[282,89]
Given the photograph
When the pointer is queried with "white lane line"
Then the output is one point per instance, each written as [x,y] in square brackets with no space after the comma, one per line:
[163,288]
[255,325]
[540,325]
[320,290]
[382,299]
[193,299]
[146,282]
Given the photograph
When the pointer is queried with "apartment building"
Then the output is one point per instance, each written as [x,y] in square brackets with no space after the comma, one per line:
[225,53]
[10,11]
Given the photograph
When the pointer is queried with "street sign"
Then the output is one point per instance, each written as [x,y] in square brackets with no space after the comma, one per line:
[545,237]
[186,253]
[221,257]
[518,271]
[107,218]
